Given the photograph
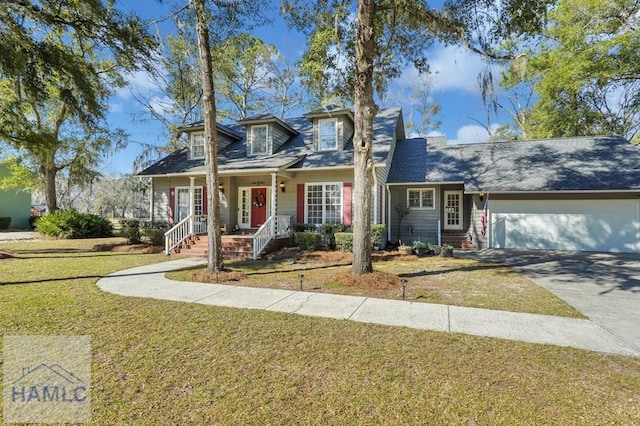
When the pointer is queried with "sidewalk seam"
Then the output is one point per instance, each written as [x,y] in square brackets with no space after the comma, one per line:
[284,298]
[215,294]
[356,309]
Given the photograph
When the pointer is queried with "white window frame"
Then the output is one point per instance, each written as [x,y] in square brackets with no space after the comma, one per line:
[324,210]
[320,135]
[198,208]
[193,145]
[266,139]
[420,191]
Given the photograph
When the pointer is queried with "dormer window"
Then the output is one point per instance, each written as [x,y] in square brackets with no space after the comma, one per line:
[328,134]
[258,140]
[197,145]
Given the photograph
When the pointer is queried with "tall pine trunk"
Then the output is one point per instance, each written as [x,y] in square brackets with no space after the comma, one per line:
[210,140]
[365,111]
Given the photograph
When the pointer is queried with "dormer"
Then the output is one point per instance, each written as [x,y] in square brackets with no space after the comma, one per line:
[195,135]
[266,134]
[332,128]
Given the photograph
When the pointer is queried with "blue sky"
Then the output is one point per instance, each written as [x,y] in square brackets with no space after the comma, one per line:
[454,80]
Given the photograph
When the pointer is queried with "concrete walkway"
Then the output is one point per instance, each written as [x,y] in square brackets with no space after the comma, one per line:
[12,236]
[149,281]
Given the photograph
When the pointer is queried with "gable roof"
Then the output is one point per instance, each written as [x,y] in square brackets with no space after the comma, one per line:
[297,152]
[199,125]
[329,111]
[565,164]
[265,119]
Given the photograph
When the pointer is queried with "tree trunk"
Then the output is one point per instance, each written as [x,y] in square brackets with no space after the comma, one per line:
[210,141]
[48,174]
[365,111]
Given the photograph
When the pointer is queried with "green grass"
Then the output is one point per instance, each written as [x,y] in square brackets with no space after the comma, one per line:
[444,280]
[162,362]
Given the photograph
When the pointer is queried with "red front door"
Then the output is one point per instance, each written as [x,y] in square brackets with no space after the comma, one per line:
[258,206]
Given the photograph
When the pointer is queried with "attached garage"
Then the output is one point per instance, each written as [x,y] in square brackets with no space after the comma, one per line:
[611,225]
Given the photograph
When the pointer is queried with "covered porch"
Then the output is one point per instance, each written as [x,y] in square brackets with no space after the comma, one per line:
[249,207]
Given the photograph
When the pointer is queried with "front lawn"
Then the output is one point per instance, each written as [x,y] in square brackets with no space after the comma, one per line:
[163,362]
[445,280]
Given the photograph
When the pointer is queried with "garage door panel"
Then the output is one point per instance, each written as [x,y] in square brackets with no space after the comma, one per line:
[612,225]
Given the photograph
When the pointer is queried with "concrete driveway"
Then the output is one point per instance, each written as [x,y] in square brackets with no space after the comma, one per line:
[603,286]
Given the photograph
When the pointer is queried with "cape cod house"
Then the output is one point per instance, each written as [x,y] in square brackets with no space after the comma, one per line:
[572,194]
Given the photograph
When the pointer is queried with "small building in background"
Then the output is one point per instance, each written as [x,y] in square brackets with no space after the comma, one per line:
[15,204]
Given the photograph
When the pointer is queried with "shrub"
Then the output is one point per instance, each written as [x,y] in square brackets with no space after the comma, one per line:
[344,241]
[131,231]
[74,225]
[301,227]
[154,232]
[419,245]
[308,240]
[332,228]
[5,221]
[328,230]
[377,234]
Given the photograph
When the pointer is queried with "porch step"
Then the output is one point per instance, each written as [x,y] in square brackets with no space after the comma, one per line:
[458,239]
[232,247]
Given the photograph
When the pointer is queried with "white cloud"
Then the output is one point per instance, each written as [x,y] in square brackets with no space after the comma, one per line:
[161,104]
[452,68]
[116,107]
[137,82]
[472,133]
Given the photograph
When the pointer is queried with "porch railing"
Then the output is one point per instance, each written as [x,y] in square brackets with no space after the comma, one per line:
[190,225]
[274,226]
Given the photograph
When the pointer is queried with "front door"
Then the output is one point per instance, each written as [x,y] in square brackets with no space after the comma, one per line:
[453,210]
[258,206]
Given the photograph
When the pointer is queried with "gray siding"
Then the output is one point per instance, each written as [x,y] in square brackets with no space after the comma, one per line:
[161,199]
[347,130]
[278,137]
[423,221]
[161,196]
[224,141]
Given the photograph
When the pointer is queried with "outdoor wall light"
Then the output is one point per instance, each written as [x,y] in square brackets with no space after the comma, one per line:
[481,194]
[282,186]
[221,188]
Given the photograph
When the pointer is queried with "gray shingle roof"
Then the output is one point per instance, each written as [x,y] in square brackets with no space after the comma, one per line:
[297,150]
[409,162]
[567,164]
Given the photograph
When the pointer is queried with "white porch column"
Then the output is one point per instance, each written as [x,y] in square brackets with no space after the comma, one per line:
[274,196]
[375,197]
[192,201]
[388,212]
[152,213]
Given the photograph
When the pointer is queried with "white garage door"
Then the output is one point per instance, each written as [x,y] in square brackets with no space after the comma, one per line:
[584,225]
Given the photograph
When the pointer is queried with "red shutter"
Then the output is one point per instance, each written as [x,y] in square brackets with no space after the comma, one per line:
[172,203]
[300,203]
[346,203]
[205,202]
